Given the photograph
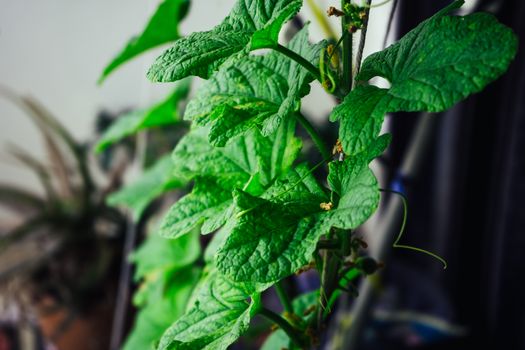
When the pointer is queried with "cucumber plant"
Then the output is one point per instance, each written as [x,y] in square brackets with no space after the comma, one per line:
[270,215]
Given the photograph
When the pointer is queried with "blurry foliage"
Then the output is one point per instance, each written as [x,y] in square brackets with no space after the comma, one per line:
[68,240]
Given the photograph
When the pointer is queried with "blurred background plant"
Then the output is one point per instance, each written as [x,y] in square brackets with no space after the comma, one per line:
[59,247]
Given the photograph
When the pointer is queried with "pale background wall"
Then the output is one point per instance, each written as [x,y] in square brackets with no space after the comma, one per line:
[55,50]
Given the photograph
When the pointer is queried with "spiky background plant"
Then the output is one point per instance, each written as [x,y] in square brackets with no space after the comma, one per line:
[66,243]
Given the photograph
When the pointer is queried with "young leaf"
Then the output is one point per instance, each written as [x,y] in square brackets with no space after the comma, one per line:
[253,91]
[161,28]
[163,113]
[155,181]
[272,238]
[208,203]
[437,64]
[220,314]
[277,152]
[202,52]
[358,191]
[361,116]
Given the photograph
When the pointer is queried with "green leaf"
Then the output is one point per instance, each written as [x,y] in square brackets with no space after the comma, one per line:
[164,302]
[301,305]
[157,253]
[277,153]
[167,282]
[357,189]
[253,92]
[161,28]
[208,203]
[195,156]
[155,181]
[442,61]
[437,64]
[276,235]
[216,172]
[361,116]
[273,238]
[217,241]
[202,52]
[221,313]
[250,162]
[163,113]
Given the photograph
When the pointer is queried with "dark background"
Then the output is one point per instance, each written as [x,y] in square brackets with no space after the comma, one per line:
[467,203]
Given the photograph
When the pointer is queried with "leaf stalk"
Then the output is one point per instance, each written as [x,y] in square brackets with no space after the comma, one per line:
[284,325]
[283,297]
[299,59]
[314,135]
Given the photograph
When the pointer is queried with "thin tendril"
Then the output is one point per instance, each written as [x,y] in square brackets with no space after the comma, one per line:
[336,46]
[325,73]
[402,230]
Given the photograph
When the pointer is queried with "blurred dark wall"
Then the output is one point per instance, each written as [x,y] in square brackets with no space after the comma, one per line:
[467,203]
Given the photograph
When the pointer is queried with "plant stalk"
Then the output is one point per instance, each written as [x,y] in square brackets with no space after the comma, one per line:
[347,52]
[283,297]
[284,325]
[299,59]
[331,264]
[329,281]
[362,39]
[314,135]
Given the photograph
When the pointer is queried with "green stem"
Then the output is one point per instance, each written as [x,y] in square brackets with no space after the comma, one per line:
[328,285]
[328,244]
[299,59]
[347,52]
[316,138]
[283,297]
[283,324]
[362,39]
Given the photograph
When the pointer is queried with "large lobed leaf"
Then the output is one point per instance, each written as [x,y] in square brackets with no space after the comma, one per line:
[276,235]
[440,62]
[253,92]
[202,52]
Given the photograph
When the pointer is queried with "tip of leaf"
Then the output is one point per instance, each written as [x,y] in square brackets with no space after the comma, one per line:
[101,79]
[100,147]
